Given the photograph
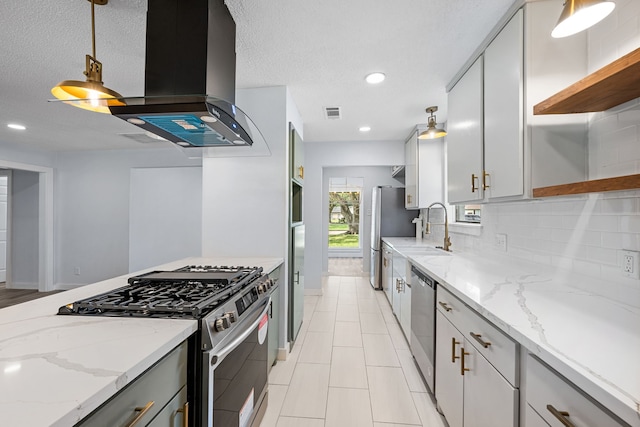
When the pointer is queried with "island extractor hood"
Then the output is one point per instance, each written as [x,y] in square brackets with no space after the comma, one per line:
[190,68]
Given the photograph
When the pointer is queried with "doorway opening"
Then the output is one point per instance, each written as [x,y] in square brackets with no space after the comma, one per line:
[345,223]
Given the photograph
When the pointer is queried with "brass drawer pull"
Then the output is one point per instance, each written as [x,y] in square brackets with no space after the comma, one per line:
[561,416]
[478,338]
[408,199]
[484,180]
[185,414]
[462,354]
[142,411]
[473,183]
[445,306]
[453,350]
[301,171]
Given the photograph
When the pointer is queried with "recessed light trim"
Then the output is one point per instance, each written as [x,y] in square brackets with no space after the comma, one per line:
[375,78]
[364,128]
[16,126]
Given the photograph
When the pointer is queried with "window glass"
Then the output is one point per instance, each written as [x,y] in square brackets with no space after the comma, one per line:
[468,213]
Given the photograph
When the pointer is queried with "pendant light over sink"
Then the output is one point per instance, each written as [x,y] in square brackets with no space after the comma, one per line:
[91,94]
[578,15]
[432,131]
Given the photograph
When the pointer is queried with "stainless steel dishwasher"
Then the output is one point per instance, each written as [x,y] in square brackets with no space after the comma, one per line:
[423,324]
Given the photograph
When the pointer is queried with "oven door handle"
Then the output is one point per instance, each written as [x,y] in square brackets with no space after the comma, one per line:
[221,354]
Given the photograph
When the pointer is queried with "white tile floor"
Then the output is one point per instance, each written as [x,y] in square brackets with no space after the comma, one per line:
[350,367]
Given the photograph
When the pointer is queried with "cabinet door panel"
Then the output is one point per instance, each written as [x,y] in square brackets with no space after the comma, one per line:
[449,382]
[411,172]
[503,111]
[489,400]
[464,138]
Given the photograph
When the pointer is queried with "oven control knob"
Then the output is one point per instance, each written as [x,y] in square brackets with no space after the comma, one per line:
[232,316]
[222,323]
[262,288]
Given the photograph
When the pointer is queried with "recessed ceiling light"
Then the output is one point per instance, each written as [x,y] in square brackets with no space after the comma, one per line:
[16,126]
[365,129]
[375,78]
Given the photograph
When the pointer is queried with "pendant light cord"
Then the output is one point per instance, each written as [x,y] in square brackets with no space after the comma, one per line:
[93,28]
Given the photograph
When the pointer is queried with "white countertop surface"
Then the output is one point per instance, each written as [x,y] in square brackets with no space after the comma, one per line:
[592,340]
[55,370]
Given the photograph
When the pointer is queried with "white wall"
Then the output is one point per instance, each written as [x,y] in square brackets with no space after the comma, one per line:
[319,156]
[165,215]
[4,191]
[25,194]
[245,201]
[92,191]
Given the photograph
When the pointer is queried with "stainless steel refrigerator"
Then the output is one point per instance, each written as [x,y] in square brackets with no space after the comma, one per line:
[389,218]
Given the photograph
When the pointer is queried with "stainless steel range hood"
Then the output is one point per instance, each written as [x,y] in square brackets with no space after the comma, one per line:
[190,68]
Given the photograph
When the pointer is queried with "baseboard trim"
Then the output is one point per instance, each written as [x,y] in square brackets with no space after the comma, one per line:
[66,286]
[23,286]
[283,353]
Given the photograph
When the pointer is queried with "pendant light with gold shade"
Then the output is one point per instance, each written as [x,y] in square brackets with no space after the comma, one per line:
[91,94]
[432,131]
[578,15]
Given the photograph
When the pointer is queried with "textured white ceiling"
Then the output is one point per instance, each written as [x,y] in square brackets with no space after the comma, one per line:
[321,50]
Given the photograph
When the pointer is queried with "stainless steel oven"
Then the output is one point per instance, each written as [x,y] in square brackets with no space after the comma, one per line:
[235,373]
[228,356]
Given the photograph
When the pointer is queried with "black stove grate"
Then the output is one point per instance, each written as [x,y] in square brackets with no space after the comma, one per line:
[189,292]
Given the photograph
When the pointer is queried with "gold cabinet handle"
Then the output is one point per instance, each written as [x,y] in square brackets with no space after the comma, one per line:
[185,414]
[462,355]
[301,171]
[141,413]
[408,199]
[384,262]
[561,416]
[454,343]
[484,180]
[473,183]
[445,306]
[478,338]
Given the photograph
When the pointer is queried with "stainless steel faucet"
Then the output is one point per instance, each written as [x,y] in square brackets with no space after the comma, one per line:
[447,240]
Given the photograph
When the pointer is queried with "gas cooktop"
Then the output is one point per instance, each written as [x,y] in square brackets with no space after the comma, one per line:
[188,292]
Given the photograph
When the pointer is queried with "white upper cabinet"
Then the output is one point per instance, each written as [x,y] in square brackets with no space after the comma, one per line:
[411,172]
[464,137]
[497,149]
[503,115]
[424,171]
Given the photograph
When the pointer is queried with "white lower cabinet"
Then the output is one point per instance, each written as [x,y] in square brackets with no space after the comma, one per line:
[449,382]
[489,400]
[532,419]
[471,391]
[560,403]
[401,301]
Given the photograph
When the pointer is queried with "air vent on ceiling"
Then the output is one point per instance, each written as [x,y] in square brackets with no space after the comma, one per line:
[332,113]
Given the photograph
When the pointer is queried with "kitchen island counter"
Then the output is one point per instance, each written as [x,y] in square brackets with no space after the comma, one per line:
[57,369]
[570,321]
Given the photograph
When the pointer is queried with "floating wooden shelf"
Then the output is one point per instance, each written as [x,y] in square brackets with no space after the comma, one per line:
[612,85]
[628,182]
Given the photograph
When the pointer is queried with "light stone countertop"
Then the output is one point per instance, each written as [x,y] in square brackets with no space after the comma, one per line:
[591,339]
[55,370]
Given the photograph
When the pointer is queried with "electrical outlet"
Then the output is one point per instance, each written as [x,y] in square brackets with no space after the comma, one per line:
[76,271]
[501,242]
[630,264]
